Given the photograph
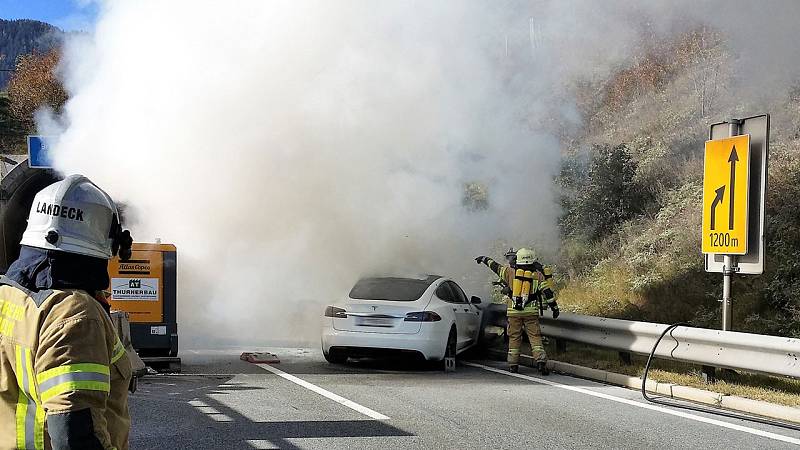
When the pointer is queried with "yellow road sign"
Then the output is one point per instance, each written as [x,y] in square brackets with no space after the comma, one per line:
[725,187]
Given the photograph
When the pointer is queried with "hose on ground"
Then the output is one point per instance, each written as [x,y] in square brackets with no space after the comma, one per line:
[720,412]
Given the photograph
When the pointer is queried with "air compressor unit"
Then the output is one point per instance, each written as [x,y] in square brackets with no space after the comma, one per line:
[145,288]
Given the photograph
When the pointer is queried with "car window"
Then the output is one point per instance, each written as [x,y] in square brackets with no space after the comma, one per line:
[460,296]
[444,293]
[393,289]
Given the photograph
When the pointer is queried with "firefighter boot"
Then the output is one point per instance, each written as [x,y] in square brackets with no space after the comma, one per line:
[513,368]
[542,366]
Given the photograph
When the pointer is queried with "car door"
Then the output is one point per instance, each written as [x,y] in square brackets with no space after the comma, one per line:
[469,313]
[446,293]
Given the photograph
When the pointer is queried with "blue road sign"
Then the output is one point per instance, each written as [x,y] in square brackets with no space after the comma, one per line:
[38,153]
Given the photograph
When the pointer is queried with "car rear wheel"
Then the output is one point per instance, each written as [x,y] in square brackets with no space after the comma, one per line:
[335,357]
[448,363]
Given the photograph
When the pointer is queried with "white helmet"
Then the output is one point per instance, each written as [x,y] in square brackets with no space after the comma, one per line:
[525,256]
[75,216]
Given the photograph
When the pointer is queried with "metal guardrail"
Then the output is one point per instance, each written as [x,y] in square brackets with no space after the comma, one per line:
[771,355]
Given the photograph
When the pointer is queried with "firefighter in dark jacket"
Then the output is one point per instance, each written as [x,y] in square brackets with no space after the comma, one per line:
[64,374]
[530,284]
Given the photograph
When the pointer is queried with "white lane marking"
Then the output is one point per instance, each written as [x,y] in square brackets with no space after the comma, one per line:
[219,417]
[338,399]
[209,411]
[766,434]
[261,444]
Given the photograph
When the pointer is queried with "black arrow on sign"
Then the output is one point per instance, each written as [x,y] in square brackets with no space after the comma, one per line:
[732,159]
[720,192]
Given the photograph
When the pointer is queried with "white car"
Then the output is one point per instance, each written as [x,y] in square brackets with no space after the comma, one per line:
[430,317]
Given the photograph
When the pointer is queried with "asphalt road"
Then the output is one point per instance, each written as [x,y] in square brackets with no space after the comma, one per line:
[221,402]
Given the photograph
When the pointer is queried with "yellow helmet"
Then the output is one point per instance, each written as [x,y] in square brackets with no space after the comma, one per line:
[525,256]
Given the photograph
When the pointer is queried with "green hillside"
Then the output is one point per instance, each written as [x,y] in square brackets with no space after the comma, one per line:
[631,184]
[20,37]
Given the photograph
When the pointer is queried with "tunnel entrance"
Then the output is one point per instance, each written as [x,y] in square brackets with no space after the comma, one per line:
[17,190]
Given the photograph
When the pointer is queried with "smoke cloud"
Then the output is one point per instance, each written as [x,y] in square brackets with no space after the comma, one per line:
[290,147]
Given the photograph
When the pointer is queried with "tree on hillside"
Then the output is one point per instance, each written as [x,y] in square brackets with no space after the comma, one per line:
[21,37]
[35,85]
[12,134]
[601,195]
[476,196]
[703,53]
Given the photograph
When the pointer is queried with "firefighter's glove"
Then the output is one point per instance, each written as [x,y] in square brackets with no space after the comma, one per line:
[554,308]
[481,259]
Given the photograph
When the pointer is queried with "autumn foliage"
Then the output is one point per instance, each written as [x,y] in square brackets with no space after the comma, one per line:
[660,64]
[35,85]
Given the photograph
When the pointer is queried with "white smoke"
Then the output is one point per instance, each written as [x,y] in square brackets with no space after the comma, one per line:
[288,148]
[591,38]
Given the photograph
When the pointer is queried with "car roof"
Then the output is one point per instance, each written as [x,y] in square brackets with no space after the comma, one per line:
[429,279]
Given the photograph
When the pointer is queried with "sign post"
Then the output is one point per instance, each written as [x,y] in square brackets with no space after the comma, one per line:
[734,186]
[726,160]
[729,260]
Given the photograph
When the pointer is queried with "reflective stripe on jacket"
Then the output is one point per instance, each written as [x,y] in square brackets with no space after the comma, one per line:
[59,353]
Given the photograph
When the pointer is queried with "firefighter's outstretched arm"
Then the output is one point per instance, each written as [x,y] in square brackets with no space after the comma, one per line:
[493,265]
[72,371]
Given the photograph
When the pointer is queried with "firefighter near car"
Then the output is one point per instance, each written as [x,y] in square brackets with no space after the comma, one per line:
[530,286]
[65,374]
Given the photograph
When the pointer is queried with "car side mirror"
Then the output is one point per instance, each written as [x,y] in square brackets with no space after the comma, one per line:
[475,300]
